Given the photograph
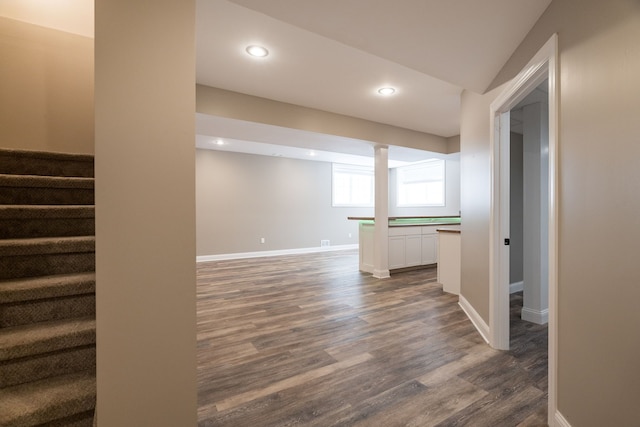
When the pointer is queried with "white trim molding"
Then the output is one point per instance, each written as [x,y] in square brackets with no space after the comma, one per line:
[516,287]
[475,318]
[560,420]
[540,317]
[241,255]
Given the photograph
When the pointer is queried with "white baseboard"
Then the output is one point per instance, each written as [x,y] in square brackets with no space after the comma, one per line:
[475,318]
[540,317]
[516,287]
[561,421]
[381,274]
[240,255]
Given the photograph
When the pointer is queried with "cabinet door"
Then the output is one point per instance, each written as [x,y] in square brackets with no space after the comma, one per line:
[396,252]
[429,249]
[413,254]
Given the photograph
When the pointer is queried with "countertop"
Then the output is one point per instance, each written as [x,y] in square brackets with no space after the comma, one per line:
[449,229]
[414,221]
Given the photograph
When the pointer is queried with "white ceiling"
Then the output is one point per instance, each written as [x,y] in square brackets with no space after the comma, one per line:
[334,54]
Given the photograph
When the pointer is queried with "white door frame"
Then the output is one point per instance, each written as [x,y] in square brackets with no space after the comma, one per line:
[544,65]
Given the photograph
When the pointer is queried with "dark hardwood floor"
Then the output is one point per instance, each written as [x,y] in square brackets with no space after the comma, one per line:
[309,340]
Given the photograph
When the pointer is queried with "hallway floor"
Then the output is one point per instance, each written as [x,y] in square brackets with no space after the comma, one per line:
[309,340]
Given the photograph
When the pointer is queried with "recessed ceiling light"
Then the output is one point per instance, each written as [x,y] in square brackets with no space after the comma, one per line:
[219,142]
[257,51]
[312,153]
[386,91]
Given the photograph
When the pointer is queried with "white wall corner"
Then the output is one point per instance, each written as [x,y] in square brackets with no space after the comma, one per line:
[560,421]
[540,317]
[516,287]
[475,318]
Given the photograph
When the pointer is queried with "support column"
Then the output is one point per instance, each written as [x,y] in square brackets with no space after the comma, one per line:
[145,213]
[381,229]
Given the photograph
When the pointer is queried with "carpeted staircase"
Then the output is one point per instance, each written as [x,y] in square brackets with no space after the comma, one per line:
[47,289]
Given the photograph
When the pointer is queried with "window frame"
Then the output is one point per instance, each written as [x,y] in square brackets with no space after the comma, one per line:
[353,170]
[399,182]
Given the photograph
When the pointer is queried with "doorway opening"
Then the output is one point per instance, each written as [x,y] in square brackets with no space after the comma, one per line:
[541,236]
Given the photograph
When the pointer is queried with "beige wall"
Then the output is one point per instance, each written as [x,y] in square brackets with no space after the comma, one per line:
[46,89]
[599,342]
[224,103]
[145,213]
[475,199]
[453,144]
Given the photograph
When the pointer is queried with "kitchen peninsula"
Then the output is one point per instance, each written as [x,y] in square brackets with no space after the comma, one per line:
[413,241]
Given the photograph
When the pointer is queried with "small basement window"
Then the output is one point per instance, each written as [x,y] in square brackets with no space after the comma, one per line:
[421,184]
[352,185]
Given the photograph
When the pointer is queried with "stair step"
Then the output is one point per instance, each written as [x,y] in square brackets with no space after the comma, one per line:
[36,288]
[39,338]
[23,221]
[44,310]
[44,401]
[41,366]
[41,299]
[45,190]
[23,162]
[47,245]
[43,256]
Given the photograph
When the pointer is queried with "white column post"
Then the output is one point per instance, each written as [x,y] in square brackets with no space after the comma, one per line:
[381,229]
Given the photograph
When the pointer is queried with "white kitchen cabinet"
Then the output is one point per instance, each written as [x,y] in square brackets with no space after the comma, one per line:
[449,260]
[429,249]
[409,246]
[413,250]
[397,252]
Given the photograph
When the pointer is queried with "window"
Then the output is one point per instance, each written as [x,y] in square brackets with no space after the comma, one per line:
[421,184]
[352,185]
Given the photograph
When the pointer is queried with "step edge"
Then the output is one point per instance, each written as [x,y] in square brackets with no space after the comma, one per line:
[31,212]
[47,287]
[46,155]
[47,245]
[15,346]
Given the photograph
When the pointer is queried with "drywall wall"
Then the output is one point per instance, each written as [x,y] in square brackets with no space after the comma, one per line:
[46,89]
[145,213]
[598,320]
[241,198]
[515,209]
[475,199]
[453,144]
[224,103]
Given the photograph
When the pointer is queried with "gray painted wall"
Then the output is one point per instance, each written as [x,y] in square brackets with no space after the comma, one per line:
[243,197]
[515,223]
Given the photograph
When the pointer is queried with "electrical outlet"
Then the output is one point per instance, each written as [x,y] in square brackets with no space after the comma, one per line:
[349,235]
[262,240]
[324,243]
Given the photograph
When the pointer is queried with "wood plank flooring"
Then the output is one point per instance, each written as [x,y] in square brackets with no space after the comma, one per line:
[308,340]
